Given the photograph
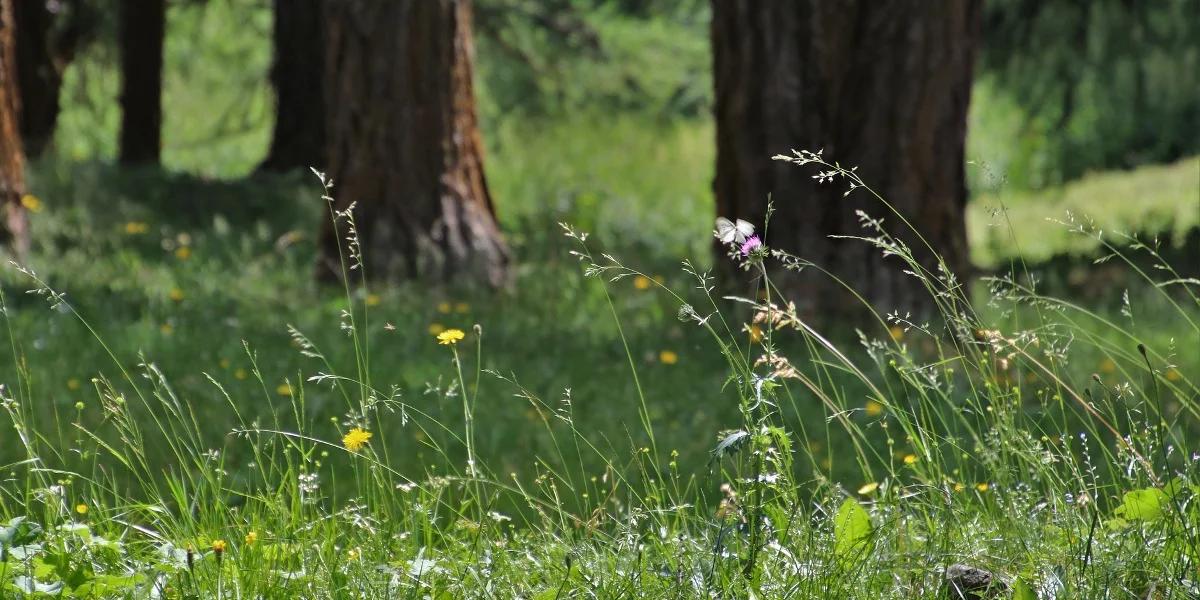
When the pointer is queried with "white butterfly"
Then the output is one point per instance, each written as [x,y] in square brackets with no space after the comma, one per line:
[728,231]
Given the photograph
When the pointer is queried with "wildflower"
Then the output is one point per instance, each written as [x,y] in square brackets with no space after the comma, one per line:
[868,489]
[373,300]
[251,537]
[176,294]
[958,487]
[240,373]
[1107,366]
[284,389]
[79,406]
[668,357]
[659,279]
[1173,375]
[751,244]
[219,546]
[73,384]
[356,438]
[897,333]
[167,328]
[450,337]
[910,459]
[81,508]
[183,252]
[353,554]
[462,307]
[136,227]
[982,486]
[436,328]
[641,282]
[31,203]
[444,308]
[224,362]
[756,333]
[873,408]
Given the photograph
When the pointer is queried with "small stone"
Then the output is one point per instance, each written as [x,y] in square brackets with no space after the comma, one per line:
[964,582]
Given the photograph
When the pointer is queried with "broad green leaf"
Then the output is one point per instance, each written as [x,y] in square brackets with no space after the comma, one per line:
[1143,505]
[851,528]
[1022,591]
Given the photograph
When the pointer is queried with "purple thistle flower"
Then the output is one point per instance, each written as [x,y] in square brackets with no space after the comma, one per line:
[751,244]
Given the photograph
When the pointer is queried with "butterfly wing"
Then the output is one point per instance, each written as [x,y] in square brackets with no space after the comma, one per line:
[726,230]
[745,229]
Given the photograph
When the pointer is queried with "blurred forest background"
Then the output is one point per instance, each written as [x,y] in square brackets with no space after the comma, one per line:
[181,233]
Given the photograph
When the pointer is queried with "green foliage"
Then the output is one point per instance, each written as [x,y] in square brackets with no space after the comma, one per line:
[851,530]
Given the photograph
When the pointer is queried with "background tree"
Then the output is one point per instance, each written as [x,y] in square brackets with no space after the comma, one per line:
[403,140]
[297,76]
[12,157]
[879,85]
[48,33]
[141,29]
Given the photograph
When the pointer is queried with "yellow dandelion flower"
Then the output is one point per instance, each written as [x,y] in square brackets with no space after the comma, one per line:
[910,459]
[436,328]
[251,537]
[240,374]
[136,228]
[756,334]
[284,389]
[641,282]
[868,489]
[873,408]
[958,487]
[353,553]
[167,328]
[450,337]
[356,438]
[31,203]
[982,486]
[1173,375]
[224,362]
[219,546]
[668,357]
[73,384]
[1107,366]
[897,333]
[443,307]
[373,299]
[176,294]
[183,252]
[81,508]
[462,307]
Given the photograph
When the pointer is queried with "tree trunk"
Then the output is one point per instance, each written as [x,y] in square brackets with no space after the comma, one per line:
[403,141]
[142,28]
[15,231]
[881,85]
[47,35]
[297,75]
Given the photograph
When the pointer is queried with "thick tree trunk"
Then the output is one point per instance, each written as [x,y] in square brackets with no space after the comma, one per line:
[15,231]
[47,35]
[403,141]
[881,85]
[142,28]
[298,78]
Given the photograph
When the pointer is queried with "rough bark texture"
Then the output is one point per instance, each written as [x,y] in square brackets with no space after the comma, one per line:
[47,35]
[881,84]
[297,75]
[12,158]
[142,27]
[403,141]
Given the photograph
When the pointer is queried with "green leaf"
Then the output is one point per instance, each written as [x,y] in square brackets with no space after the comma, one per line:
[1143,505]
[1022,591]
[851,528]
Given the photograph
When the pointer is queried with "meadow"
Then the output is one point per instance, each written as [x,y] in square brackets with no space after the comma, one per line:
[193,416]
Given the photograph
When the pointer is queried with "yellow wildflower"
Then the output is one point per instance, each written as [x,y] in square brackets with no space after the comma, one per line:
[659,279]
[1107,366]
[450,337]
[436,328]
[668,357]
[240,374]
[176,294]
[284,389]
[167,328]
[756,334]
[373,300]
[73,384]
[462,307]
[353,553]
[868,488]
[81,508]
[1173,375]
[251,537]
[897,333]
[910,459]
[873,408]
[31,203]
[219,546]
[136,227]
[183,252]
[982,486]
[641,282]
[356,438]
[958,487]
[224,362]
[444,308]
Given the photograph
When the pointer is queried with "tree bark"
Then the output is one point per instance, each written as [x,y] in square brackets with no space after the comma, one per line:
[298,78]
[47,35]
[142,28]
[403,141]
[882,85]
[15,231]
